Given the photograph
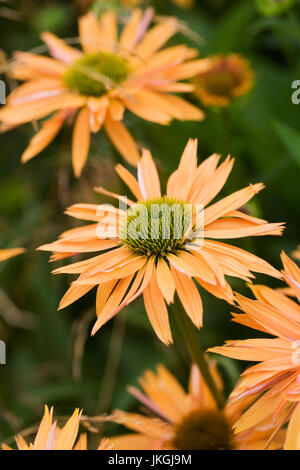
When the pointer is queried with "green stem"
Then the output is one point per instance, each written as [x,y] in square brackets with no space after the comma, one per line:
[196,352]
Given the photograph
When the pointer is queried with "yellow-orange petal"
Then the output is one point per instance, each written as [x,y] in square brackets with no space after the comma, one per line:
[42,139]
[10,253]
[81,141]
[59,49]
[189,297]
[122,140]
[157,311]
[148,177]
[165,280]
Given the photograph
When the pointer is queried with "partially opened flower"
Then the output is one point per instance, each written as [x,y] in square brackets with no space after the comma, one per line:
[50,437]
[163,244]
[95,86]
[225,77]
[185,421]
[276,376]
[10,253]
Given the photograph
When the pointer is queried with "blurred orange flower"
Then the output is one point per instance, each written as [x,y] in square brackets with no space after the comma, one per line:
[185,421]
[225,78]
[109,76]
[277,373]
[157,264]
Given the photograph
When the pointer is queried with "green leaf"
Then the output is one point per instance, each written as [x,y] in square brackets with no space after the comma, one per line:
[290,138]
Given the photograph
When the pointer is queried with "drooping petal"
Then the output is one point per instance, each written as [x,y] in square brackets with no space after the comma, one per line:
[165,280]
[122,140]
[42,139]
[157,311]
[189,297]
[81,141]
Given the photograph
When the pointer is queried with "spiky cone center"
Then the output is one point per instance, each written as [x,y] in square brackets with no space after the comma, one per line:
[223,78]
[157,227]
[204,430]
[93,74]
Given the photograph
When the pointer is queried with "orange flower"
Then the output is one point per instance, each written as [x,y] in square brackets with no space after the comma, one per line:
[225,78]
[50,437]
[10,253]
[185,421]
[109,76]
[276,376]
[157,263]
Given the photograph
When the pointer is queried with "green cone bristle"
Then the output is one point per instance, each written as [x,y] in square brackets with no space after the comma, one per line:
[87,75]
[157,226]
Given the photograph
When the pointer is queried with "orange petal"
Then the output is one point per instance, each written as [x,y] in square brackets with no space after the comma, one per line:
[180,181]
[130,181]
[165,280]
[189,297]
[122,140]
[156,38]
[42,139]
[157,311]
[81,141]
[10,252]
[148,177]
[59,49]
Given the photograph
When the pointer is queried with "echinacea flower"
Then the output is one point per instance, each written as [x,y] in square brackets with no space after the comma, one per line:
[10,253]
[95,86]
[225,77]
[168,249]
[50,437]
[276,376]
[184,421]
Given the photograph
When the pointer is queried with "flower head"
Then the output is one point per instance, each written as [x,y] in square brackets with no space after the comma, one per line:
[276,376]
[163,244]
[50,437]
[184,421]
[95,86]
[10,253]
[223,79]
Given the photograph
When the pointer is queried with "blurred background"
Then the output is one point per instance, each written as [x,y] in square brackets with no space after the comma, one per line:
[51,357]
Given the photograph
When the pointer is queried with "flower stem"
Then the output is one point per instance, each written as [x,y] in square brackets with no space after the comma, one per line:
[196,352]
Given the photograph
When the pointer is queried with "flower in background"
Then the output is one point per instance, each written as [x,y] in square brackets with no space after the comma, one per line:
[10,253]
[158,263]
[50,437]
[185,421]
[224,78]
[84,5]
[276,376]
[94,87]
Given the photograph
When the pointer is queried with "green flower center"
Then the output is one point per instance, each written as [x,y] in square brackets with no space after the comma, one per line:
[93,74]
[157,226]
[203,430]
